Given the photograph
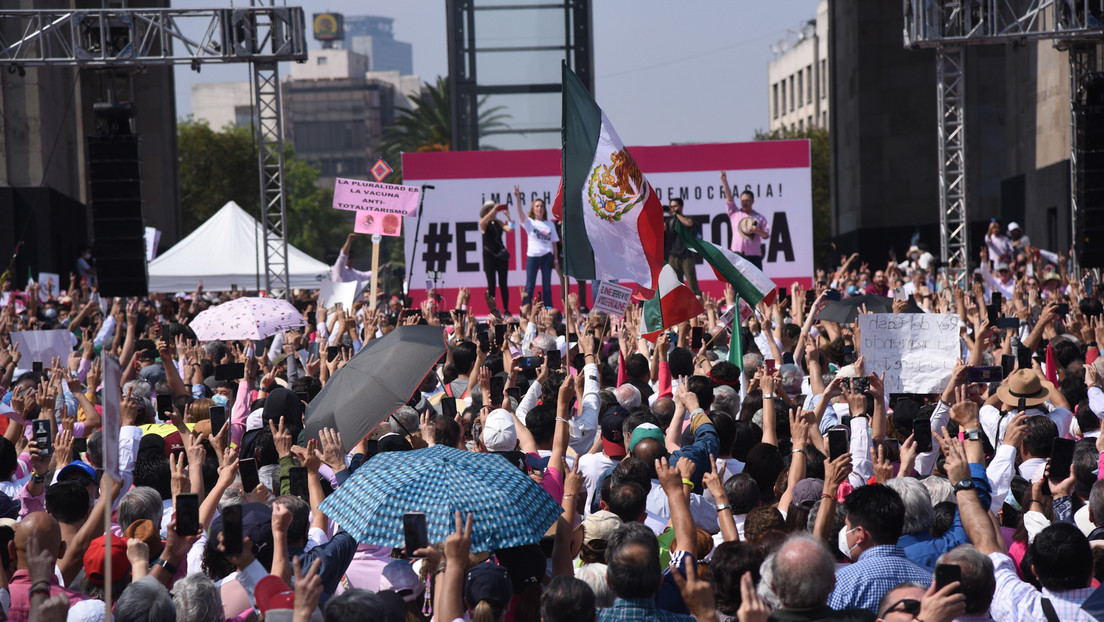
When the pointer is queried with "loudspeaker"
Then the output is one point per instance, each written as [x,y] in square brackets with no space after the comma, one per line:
[118,231]
[1090,174]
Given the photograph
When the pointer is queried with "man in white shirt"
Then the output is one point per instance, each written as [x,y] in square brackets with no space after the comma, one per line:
[343,270]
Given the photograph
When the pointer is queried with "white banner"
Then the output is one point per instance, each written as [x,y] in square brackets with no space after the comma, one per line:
[450,242]
[612,298]
[43,345]
[917,351]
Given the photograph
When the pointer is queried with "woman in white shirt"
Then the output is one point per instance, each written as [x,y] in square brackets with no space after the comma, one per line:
[539,255]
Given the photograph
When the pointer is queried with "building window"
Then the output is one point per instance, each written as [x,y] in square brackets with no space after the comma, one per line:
[825,121]
[823,79]
[783,96]
[801,125]
[792,98]
[774,99]
[322,60]
[809,84]
[810,122]
[800,89]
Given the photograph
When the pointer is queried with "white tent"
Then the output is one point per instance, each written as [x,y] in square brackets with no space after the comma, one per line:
[224,251]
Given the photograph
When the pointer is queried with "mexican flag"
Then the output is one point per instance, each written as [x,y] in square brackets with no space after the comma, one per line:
[612,219]
[749,282]
[673,304]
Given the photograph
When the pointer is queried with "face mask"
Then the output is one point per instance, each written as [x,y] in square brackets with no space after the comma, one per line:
[50,313]
[914,256]
[220,400]
[846,550]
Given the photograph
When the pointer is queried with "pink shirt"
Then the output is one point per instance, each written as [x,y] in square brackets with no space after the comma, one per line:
[19,588]
[752,246]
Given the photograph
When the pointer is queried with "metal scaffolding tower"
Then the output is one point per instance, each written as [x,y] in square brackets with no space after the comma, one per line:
[134,38]
[951,25]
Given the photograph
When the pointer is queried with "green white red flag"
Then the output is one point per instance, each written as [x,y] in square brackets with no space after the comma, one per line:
[612,219]
[749,282]
[673,304]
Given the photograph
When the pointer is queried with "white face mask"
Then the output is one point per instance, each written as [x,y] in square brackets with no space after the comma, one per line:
[846,550]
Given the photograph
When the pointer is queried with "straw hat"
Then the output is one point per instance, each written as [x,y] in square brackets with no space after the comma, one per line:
[1024,383]
[747,226]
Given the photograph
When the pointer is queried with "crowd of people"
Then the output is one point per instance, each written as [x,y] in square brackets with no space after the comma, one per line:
[781,482]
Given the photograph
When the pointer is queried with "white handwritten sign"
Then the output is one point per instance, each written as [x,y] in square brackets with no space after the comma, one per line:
[612,298]
[915,350]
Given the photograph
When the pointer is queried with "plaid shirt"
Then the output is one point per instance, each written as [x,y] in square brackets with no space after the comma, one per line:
[862,584]
[1015,600]
[637,610]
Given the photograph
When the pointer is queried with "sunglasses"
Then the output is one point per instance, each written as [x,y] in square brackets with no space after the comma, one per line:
[910,606]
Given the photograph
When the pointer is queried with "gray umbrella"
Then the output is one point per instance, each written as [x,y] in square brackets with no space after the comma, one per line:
[845,311]
[375,383]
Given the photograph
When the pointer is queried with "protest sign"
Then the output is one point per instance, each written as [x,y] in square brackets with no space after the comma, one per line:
[112,417]
[332,293]
[43,345]
[51,285]
[612,298]
[915,350]
[380,207]
[776,172]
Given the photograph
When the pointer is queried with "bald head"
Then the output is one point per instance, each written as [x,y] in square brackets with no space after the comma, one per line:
[45,529]
[803,573]
[649,450]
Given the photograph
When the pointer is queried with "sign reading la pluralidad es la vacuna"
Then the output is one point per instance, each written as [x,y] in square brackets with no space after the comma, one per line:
[380,207]
[775,172]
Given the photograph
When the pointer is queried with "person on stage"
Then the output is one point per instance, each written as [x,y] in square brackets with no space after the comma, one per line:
[539,255]
[496,259]
[749,227]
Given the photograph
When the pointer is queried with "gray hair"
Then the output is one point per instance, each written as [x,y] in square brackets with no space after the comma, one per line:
[544,342]
[140,502]
[145,600]
[628,396]
[406,421]
[978,581]
[138,388]
[94,451]
[594,575]
[919,512]
[791,378]
[841,516]
[764,589]
[752,363]
[939,489]
[197,599]
[726,400]
[803,572]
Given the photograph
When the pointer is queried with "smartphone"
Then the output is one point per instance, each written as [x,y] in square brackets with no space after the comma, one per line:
[448,407]
[922,434]
[187,514]
[837,443]
[1061,458]
[498,385]
[303,396]
[414,532]
[996,300]
[696,334]
[332,352]
[445,318]
[899,294]
[832,294]
[247,468]
[1023,357]
[1062,309]
[514,393]
[860,384]
[217,415]
[991,373]
[297,478]
[500,334]
[41,435]
[578,361]
[994,312]
[80,445]
[946,574]
[484,342]
[1008,364]
[36,367]
[768,363]
[783,292]
[164,404]
[1005,323]
[229,371]
[554,359]
[530,362]
[232,529]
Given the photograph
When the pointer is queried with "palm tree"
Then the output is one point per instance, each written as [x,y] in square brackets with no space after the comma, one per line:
[428,125]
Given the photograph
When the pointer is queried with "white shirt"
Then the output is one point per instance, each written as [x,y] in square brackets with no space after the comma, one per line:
[591,467]
[702,511]
[542,235]
[994,425]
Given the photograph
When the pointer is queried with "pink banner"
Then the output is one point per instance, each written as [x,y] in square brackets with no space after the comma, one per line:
[377,223]
[380,206]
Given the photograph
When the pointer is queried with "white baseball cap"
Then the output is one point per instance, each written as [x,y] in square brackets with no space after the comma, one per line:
[498,431]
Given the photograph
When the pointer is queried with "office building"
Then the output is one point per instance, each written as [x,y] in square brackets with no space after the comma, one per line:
[798,76]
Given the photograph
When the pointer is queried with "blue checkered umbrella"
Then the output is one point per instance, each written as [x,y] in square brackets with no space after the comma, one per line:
[509,508]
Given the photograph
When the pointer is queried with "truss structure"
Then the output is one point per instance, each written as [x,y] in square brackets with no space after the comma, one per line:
[133,38]
[951,25]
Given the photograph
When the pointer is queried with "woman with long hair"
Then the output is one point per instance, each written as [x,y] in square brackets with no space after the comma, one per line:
[496,259]
[540,255]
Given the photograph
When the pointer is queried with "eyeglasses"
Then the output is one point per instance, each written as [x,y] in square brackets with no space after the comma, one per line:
[910,606]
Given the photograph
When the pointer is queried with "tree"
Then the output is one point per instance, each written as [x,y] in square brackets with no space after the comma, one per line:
[221,166]
[821,185]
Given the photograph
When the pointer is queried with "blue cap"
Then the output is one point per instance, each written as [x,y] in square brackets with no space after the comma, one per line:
[77,467]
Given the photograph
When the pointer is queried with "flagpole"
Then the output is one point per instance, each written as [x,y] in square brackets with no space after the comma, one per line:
[566,281]
[734,346]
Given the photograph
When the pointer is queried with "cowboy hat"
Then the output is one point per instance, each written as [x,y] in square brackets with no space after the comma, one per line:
[1025,384]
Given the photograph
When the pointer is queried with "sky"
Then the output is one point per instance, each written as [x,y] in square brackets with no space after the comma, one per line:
[665,72]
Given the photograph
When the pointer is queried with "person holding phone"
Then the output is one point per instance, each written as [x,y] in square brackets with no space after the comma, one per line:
[496,258]
[539,256]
